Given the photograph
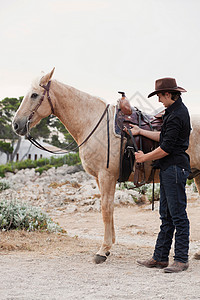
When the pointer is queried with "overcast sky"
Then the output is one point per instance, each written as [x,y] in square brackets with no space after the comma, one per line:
[101,46]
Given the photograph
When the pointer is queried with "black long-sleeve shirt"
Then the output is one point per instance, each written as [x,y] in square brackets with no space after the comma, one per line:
[174,136]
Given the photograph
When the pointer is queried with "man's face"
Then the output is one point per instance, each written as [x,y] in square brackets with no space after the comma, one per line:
[165,99]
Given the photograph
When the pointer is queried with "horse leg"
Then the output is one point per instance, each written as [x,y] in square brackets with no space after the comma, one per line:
[197,182]
[107,188]
[113,228]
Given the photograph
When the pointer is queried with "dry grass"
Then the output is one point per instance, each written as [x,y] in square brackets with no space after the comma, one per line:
[54,185]
[43,243]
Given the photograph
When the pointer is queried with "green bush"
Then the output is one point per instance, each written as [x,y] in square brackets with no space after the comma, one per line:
[44,168]
[24,164]
[4,169]
[4,184]
[144,189]
[190,181]
[41,164]
[17,215]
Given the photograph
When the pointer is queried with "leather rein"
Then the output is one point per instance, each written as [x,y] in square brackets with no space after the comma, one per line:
[39,146]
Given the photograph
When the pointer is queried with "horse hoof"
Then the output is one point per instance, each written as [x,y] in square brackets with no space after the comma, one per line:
[99,259]
[107,253]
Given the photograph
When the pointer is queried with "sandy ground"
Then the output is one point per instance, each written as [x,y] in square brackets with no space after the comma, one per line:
[60,266]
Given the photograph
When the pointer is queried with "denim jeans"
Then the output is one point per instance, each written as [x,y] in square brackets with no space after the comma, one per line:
[173,215]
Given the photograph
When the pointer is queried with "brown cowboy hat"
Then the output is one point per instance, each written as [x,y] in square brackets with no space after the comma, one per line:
[166,85]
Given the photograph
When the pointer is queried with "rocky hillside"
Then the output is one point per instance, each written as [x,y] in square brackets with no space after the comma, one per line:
[67,188]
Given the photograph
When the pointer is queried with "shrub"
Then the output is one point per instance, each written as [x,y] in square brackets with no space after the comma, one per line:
[17,215]
[41,164]
[24,164]
[144,189]
[194,188]
[42,169]
[190,181]
[4,169]
[156,191]
[4,184]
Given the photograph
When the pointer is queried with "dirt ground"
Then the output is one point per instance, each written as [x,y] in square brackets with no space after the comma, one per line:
[60,266]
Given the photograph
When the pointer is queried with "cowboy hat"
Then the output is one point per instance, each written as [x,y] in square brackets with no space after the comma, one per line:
[166,85]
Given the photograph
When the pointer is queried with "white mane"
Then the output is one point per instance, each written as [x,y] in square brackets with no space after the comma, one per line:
[35,82]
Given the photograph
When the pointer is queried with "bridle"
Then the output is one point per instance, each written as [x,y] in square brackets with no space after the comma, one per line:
[46,90]
[38,145]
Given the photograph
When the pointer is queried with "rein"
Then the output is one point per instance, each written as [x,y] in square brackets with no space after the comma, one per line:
[39,146]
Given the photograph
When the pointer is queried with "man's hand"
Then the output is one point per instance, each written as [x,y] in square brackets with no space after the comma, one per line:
[158,153]
[140,156]
[152,135]
[134,129]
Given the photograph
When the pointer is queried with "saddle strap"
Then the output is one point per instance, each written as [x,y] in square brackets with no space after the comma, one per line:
[153,190]
[133,140]
[139,167]
[121,155]
[108,137]
[139,123]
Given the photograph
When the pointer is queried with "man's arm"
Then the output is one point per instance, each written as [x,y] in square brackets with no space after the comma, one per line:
[155,154]
[153,135]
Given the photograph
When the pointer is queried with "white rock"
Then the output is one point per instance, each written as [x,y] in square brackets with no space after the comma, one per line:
[72,208]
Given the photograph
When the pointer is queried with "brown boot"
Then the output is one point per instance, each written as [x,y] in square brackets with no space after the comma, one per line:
[176,267]
[152,263]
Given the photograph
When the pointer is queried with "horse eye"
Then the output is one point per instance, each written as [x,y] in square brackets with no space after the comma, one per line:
[34,95]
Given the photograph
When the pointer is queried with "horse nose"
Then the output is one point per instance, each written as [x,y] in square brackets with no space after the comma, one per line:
[19,126]
[15,126]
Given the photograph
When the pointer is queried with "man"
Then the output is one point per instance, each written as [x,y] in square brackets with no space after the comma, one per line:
[174,169]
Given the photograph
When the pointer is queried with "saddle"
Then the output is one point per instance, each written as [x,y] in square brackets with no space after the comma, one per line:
[135,143]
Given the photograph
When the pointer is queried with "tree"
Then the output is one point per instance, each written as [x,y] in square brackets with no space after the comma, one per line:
[62,138]
[70,141]
[8,107]
[41,130]
[6,148]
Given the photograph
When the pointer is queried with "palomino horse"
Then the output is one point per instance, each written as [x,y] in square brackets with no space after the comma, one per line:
[80,112]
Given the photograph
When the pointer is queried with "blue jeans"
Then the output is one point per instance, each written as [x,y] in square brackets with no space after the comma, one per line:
[173,215]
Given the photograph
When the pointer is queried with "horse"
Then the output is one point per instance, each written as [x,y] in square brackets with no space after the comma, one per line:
[79,112]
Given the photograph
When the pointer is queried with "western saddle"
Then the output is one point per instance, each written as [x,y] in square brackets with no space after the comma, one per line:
[135,143]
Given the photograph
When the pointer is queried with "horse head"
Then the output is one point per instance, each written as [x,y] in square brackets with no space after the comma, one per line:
[34,107]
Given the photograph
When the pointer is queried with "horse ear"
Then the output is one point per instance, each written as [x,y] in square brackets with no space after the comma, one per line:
[45,79]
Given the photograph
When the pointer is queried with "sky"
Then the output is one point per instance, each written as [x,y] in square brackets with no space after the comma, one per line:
[101,46]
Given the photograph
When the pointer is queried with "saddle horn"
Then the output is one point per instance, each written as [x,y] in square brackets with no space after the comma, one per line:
[124,104]
[122,93]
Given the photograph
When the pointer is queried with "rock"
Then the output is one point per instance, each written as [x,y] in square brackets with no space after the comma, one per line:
[97,205]
[88,202]
[88,190]
[74,169]
[67,187]
[125,197]
[197,256]
[72,208]
[88,208]
[8,175]
[143,199]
